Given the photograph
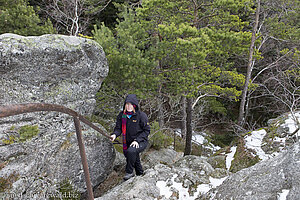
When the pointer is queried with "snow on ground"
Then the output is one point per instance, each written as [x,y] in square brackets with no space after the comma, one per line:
[291,123]
[283,195]
[254,141]
[198,138]
[167,187]
[229,157]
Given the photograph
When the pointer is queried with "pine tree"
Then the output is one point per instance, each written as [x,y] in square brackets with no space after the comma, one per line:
[194,48]
[130,68]
[16,16]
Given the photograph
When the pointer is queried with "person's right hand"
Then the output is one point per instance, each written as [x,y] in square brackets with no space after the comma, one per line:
[112,137]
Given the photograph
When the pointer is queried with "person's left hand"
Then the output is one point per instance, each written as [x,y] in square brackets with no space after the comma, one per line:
[135,144]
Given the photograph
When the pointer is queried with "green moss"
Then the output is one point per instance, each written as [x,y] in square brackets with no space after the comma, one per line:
[243,158]
[119,148]
[66,191]
[27,132]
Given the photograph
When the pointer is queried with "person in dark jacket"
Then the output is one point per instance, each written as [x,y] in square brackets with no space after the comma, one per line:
[133,125]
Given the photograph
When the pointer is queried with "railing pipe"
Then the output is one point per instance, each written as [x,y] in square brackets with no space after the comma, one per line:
[83,158]
[16,109]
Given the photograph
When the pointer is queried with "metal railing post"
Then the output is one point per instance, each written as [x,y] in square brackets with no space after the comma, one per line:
[83,158]
[16,109]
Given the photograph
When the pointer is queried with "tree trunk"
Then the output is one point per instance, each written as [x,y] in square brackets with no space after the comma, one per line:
[160,116]
[188,140]
[241,118]
[183,121]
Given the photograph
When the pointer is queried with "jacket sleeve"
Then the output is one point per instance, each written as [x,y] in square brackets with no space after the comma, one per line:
[118,127]
[143,136]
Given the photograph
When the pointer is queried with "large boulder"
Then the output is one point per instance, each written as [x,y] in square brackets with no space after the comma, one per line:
[164,156]
[39,167]
[64,70]
[187,178]
[38,151]
[59,69]
[266,142]
[275,178]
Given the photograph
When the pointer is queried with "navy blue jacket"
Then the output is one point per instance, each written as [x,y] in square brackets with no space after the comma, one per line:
[137,127]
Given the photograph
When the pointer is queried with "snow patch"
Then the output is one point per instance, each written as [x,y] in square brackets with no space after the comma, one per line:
[199,139]
[283,195]
[167,187]
[229,157]
[254,141]
[292,124]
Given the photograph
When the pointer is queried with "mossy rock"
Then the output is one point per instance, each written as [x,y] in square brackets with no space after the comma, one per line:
[222,140]
[119,148]
[66,192]
[10,140]
[22,134]
[27,132]
[217,161]
[219,173]
[243,158]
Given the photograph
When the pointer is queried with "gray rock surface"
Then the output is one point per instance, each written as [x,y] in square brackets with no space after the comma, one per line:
[56,69]
[59,69]
[163,156]
[43,163]
[265,180]
[188,171]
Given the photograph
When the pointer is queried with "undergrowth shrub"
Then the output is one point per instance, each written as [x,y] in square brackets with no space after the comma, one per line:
[222,140]
[158,138]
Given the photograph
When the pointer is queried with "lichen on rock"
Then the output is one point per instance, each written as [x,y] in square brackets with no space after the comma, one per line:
[54,69]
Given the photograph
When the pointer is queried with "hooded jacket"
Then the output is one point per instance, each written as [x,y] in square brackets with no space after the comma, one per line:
[137,126]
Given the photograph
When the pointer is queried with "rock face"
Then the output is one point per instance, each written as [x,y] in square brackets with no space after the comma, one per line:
[188,172]
[38,167]
[164,156]
[269,179]
[171,176]
[54,69]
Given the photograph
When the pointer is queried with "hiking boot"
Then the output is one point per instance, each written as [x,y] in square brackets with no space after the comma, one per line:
[128,176]
[139,173]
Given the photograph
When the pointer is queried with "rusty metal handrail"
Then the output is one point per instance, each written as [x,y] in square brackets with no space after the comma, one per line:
[16,109]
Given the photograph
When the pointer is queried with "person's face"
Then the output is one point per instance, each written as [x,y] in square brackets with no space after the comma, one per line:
[129,107]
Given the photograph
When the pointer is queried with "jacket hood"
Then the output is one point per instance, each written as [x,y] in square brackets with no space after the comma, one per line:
[131,98]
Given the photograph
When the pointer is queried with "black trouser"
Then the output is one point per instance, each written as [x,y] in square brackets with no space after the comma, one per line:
[133,159]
